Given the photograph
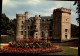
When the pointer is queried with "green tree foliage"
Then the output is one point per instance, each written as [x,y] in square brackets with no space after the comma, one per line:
[74,30]
[4,24]
[12,25]
[78,10]
[8,26]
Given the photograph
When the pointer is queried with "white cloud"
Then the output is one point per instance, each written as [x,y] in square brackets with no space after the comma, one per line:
[5,2]
[8,3]
[33,1]
[16,3]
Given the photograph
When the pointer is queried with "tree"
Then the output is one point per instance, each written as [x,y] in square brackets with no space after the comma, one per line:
[8,26]
[74,30]
[12,25]
[78,10]
[4,24]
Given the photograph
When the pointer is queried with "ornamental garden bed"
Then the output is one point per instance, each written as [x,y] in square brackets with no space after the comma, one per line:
[30,47]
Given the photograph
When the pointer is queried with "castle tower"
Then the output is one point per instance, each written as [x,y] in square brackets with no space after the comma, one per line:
[61,24]
[21,27]
[37,30]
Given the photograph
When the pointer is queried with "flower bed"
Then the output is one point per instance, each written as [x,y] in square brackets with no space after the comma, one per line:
[7,49]
[30,46]
[30,43]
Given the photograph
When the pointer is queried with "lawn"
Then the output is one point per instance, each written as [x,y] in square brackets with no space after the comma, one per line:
[66,51]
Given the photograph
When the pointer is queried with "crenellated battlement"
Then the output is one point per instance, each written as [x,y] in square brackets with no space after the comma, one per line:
[65,9]
[22,14]
[62,9]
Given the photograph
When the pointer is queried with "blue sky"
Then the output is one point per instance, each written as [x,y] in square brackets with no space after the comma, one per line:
[36,7]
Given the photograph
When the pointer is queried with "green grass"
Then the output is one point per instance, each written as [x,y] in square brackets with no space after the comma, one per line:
[66,51]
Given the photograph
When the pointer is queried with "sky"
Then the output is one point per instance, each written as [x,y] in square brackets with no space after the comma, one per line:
[37,7]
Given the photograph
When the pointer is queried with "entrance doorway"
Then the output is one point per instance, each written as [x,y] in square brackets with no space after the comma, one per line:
[66,36]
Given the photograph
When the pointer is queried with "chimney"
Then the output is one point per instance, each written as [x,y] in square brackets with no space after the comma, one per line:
[26,12]
[39,16]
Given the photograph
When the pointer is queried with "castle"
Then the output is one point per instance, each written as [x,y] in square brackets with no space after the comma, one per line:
[56,26]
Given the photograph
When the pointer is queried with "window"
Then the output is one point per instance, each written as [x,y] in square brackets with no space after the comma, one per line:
[25,27]
[22,22]
[42,34]
[22,27]
[35,27]
[28,27]
[25,33]
[36,33]
[66,19]
[66,30]
[31,27]
[42,19]
[21,32]
[66,36]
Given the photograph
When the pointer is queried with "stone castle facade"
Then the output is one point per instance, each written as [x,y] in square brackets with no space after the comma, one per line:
[56,26]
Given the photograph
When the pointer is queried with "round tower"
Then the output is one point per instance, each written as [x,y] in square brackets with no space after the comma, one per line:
[21,27]
[37,30]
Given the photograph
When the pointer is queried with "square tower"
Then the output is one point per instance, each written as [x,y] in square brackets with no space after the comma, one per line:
[61,23]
